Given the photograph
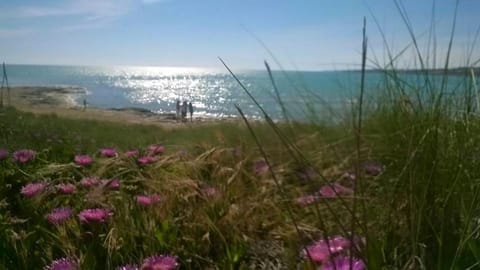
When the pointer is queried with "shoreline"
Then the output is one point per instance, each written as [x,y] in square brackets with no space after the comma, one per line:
[60,100]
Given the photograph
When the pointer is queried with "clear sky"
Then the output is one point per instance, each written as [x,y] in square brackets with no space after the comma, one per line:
[303,34]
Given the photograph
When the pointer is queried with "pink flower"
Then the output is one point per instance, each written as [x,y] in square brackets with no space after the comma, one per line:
[333,190]
[260,167]
[89,181]
[94,214]
[318,253]
[33,189]
[160,262]
[321,251]
[59,215]
[23,156]
[209,192]
[3,154]
[373,167]
[63,264]
[306,200]
[146,200]
[111,183]
[131,153]
[146,160]
[343,263]
[108,152]
[83,160]
[66,188]
[156,149]
[338,243]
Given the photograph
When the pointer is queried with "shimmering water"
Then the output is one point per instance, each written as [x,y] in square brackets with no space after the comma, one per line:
[212,92]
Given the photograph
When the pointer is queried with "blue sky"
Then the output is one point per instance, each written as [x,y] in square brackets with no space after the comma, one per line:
[304,34]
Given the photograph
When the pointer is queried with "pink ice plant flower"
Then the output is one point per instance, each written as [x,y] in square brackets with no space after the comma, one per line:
[66,188]
[83,160]
[146,200]
[160,262]
[89,182]
[94,215]
[260,167]
[156,149]
[321,251]
[343,263]
[131,153]
[333,190]
[3,154]
[111,183]
[63,264]
[59,215]
[108,152]
[23,156]
[32,189]
[146,160]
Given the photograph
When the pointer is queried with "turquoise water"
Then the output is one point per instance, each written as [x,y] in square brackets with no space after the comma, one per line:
[212,92]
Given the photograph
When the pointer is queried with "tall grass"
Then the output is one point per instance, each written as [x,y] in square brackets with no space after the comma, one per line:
[241,227]
[422,212]
[418,208]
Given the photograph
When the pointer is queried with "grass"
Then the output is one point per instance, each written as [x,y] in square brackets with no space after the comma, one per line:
[420,212]
[204,232]
[398,180]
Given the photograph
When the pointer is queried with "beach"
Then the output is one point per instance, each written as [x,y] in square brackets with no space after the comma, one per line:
[61,102]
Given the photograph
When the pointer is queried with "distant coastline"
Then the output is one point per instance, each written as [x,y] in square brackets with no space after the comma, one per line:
[60,101]
[460,71]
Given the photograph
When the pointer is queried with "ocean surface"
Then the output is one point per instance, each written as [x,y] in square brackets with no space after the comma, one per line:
[213,93]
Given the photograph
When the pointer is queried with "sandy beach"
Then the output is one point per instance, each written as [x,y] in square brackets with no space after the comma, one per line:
[60,101]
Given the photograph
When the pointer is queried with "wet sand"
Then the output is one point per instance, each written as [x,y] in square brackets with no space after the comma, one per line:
[59,101]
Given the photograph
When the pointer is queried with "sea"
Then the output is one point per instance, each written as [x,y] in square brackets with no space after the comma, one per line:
[213,93]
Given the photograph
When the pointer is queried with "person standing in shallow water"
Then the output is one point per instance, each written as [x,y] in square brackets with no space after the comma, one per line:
[178,110]
[184,110]
[190,109]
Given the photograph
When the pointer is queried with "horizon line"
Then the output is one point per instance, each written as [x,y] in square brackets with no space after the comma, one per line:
[220,70]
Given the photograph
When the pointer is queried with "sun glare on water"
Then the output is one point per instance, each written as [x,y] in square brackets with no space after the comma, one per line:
[205,88]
